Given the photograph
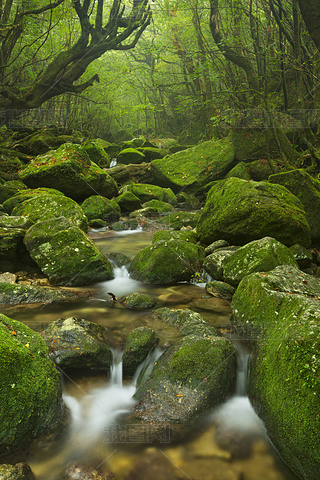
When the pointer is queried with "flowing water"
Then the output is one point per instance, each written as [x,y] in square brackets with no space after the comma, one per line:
[230,443]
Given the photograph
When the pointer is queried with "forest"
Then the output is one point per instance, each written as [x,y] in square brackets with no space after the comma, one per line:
[159,239]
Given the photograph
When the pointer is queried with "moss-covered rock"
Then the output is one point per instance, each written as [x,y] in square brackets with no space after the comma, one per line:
[19,471]
[187,236]
[138,301]
[191,376]
[11,243]
[71,171]
[66,254]
[195,166]
[258,256]
[15,222]
[14,294]
[261,170]
[138,345]
[188,201]
[187,321]
[101,207]
[128,202]
[46,207]
[167,262]
[97,223]
[147,212]
[213,263]
[39,142]
[302,255]
[131,155]
[9,166]
[10,188]
[280,310]
[152,153]
[215,245]
[128,174]
[96,152]
[220,289]
[240,211]
[240,171]
[78,344]
[307,189]
[161,207]
[26,194]
[146,192]
[177,220]
[30,390]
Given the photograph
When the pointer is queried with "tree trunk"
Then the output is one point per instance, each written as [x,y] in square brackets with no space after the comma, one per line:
[310,11]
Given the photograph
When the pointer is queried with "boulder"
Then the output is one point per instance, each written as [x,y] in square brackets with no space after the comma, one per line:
[307,189]
[66,254]
[220,289]
[131,155]
[23,195]
[80,471]
[190,377]
[76,343]
[240,171]
[161,207]
[13,253]
[12,293]
[96,152]
[280,311]
[128,202]
[167,262]
[10,188]
[101,207]
[187,322]
[196,166]
[187,236]
[152,153]
[139,343]
[258,256]
[15,222]
[45,207]
[147,192]
[30,388]
[138,301]
[302,255]
[215,245]
[126,174]
[240,211]
[213,263]
[71,171]
[19,471]
[10,166]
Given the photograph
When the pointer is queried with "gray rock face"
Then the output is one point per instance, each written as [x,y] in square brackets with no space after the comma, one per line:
[280,311]
[78,344]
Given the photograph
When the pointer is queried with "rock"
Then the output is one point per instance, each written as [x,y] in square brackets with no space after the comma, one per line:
[12,249]
[196,166]
[240,211]
[124,174]
[280,311]
[139,343]
[258,256]
[71,171]
[302,255]
[101,207]
[66,254]
[187,321]
[10,188]
[138,301]
[161,207]
[188,201]
[96,152]
[97,223]
[307,189]
[155,466]
[15,222]
[87,472]
[76,343]
[188,236]
[215,245]
[128,202]
[131,155]
[152,153]
[46,207]
[27,194]
[120,259]
[190,377]
[7,277]
[19,471]
[147,192]
[260,169]
[134,142]
[30,389]
[178,220]
[167,262]
[16,294]
[10,166]
[213,263]
[220,289]
[241,170]
[148,212]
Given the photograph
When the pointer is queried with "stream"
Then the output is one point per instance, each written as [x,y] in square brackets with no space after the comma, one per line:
[230,443]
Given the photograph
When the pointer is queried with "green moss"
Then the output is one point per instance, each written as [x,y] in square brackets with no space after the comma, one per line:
[8,189]
[11,243]
[26,194]
[30,394]
[178,220]
[187,236]
[240,211]
[161,207]
[96,152]
[152,153]
[139,344]
[131,155]
[146,192]
[101,207]
[138,301]
[128,202]
[13,294]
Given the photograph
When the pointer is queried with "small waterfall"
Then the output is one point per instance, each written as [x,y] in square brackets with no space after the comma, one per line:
[242,373]
[113,162]
[116,368]
[122,284]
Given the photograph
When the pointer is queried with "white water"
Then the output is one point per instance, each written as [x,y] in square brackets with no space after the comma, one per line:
[121,285]
[113,163]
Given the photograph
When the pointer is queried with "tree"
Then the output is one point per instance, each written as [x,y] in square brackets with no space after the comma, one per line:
[121,31]
[310,11]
